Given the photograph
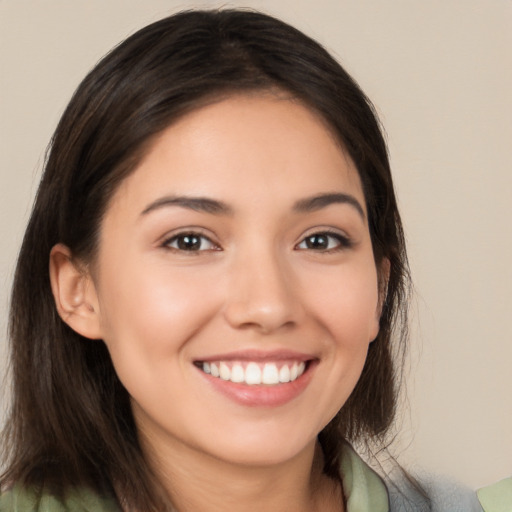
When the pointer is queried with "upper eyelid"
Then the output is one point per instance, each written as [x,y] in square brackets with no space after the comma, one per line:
[336,232]
[188,230]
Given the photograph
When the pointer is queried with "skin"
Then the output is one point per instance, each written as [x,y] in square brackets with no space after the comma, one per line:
[253,283]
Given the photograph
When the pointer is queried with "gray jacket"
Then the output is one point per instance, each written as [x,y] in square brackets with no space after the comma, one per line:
[444,495]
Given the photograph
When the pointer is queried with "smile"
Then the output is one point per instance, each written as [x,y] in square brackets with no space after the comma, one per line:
[254,373]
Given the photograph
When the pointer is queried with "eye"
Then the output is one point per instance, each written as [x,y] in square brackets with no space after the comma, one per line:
[324,242]
[190,242]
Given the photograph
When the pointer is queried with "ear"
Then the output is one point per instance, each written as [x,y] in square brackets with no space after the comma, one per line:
[74,293]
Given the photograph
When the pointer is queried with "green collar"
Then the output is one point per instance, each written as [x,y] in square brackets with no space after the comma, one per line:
[20,499]
[497,497]
[364,489]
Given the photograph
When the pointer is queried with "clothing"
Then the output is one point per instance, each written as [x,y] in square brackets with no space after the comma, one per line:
[22,500]
[364,490]
[444,494]
[497,497]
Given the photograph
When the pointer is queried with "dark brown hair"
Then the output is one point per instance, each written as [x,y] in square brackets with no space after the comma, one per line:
[70,423]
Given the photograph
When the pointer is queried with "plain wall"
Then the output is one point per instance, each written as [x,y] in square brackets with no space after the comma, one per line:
[440,74]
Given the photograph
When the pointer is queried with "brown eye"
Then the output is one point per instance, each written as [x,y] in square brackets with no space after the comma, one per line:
[324,242]
[191,242]
[317,242]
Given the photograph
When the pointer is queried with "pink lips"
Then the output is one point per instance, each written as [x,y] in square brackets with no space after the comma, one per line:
[261,395]
[259,356]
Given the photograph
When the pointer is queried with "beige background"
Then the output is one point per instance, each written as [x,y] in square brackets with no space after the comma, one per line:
[440,73]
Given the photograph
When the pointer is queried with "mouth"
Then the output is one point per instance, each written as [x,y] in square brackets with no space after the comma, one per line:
[259,379]
[254,373]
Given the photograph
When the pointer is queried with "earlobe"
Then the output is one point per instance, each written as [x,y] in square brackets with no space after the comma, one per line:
[74,293]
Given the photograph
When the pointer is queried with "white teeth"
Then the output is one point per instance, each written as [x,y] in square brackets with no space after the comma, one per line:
[284,374]
[270,374]
[294,372]
[237,373]
[214,370]
[252,374]
[255,373]
[224,371]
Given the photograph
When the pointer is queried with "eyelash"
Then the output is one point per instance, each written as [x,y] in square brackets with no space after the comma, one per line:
[341,242]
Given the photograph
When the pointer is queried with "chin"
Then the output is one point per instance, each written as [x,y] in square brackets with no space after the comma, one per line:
[262,448]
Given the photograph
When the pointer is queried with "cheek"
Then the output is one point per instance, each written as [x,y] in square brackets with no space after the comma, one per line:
[347,304]
[151,315]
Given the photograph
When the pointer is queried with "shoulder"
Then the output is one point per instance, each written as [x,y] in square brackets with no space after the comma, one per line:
[497,497]
[366,491]
[21,499]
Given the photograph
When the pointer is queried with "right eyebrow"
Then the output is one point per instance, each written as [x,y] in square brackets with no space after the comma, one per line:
[198,204]
[319,201]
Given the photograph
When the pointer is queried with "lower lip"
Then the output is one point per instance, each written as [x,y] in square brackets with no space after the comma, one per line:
[261,395]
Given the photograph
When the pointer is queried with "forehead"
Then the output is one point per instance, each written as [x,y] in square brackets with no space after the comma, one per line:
[262,144]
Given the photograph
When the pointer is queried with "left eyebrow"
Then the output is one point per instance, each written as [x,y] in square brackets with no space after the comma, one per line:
[199,204]
[317,202]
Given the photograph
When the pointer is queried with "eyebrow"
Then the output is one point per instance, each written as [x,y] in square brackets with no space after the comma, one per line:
[198,204]
[215,207]
[317,202]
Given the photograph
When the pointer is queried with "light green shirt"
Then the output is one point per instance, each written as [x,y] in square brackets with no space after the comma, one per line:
[23,500]
[363,488]
[497,497]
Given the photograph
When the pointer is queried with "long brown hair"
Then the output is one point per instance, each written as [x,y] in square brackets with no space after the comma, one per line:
[70,423]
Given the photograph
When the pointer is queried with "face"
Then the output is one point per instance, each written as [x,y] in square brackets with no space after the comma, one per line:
[235,282]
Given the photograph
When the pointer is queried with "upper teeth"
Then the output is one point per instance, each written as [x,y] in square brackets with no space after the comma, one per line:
[255,373]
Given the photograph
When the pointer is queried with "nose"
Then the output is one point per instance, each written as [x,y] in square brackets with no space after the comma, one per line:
[263,295]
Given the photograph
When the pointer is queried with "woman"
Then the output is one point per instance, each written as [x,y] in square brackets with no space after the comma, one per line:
[204,300]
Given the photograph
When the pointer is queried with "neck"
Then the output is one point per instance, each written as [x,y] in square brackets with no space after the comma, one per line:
[197,481]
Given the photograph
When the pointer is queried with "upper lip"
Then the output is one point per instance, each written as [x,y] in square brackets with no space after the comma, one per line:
[259,356]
